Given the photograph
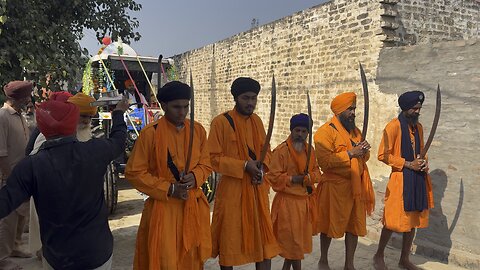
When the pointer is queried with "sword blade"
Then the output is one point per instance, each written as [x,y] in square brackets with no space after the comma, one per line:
[159,77]
[192,125]
[309,150]
[273,103]
[366,102]
[436,118]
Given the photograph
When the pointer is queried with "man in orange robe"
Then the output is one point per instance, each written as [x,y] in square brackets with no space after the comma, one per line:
[409,191]
[345,193]
[293,207]
[241,227]
[174,231]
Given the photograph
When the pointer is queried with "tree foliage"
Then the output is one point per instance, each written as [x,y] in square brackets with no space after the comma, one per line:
[42,37]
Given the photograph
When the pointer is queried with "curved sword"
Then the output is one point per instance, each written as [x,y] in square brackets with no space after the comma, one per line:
[309,150]
[192,125]
[436,118]
[366,102]
[273,103]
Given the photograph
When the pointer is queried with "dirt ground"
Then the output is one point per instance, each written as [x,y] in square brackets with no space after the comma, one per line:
[124,225]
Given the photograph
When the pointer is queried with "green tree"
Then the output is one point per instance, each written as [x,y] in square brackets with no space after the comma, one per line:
[42,37]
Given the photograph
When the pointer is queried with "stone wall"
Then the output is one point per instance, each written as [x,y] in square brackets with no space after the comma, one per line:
[454,166]
[319,49]
[426,21]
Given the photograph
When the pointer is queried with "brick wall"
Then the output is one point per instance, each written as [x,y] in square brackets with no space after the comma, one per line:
[454,166]
[424,21]
[319,49]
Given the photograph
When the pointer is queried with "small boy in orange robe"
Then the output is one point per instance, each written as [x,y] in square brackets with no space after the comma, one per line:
[293,207]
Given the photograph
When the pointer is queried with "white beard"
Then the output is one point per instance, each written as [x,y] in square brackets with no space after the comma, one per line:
[30,119]
[84,134]
[298,146]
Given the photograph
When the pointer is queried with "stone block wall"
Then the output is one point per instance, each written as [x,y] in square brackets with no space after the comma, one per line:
[319,49]
[454,166]
[426,21]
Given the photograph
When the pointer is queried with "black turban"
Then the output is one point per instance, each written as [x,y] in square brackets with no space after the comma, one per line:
[409,99]
[243,84]
[299,120]
[174,90]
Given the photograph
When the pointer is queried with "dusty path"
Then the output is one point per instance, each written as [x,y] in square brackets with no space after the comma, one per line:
[124,225]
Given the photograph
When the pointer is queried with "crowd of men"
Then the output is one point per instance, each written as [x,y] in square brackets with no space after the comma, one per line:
[62,170]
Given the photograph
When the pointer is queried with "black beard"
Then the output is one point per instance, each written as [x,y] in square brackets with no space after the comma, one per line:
[412,120]
[349,126]
[241,111]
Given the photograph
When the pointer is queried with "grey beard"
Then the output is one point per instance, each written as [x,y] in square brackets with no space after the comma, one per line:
[298,146]
[84,134]
[30,119]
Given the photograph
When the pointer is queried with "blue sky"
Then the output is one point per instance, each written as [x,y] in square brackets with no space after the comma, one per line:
[175,26]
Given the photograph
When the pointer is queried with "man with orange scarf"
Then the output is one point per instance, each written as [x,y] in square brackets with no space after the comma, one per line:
[293,207]
[409,191]
[174,231]
[345,193]
[241,226]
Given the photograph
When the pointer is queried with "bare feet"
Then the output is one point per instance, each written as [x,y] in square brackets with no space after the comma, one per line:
[407,264]
[379,263]
[9,265]
[323,265]
[20,254]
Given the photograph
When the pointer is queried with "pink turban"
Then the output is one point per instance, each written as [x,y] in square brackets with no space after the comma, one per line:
[57,118]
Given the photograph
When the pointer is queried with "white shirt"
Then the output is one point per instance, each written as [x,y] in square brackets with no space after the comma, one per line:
[132,99]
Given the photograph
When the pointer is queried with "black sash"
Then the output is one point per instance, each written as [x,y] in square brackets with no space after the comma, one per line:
[351,141]
[251,154]
[170,164]
[173,168]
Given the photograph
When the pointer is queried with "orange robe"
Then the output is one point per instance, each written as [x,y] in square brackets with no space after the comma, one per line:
[293,209]
[345,192]
[241,225]
[390,152]
[173,233]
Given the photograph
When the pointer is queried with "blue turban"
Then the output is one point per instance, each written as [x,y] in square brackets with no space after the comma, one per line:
[243,84]
[409,99]
[299,120]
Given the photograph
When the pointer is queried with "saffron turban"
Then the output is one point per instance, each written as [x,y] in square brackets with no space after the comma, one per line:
[57,118]
[342,102]
[243,84]
[128,83]
[60,96]
[409,99]
[299,120]
[174,90]
[18,89]
[83,102]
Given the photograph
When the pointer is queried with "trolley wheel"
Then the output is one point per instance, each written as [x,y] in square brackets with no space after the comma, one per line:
[110,188]
[210,186]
